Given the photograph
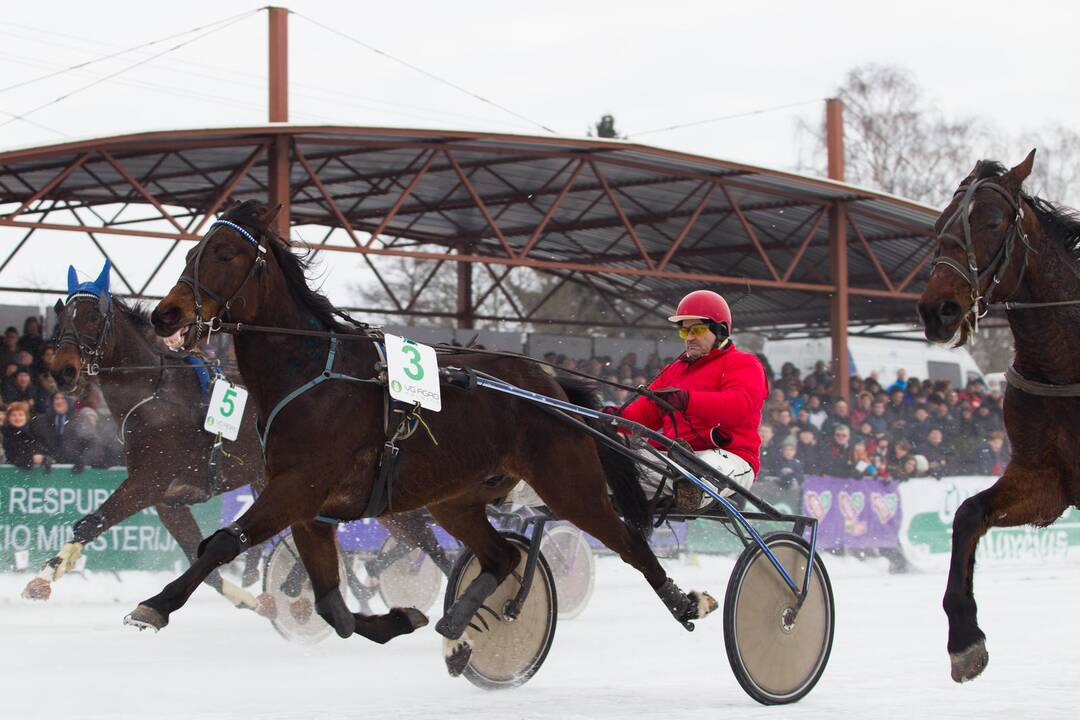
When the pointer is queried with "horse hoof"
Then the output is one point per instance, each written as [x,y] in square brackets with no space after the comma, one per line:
[968,664]
[416,618]
[266,606]
[37,589]
[301,609]
[447,628]
[704,603]
[457,654]
[145,617]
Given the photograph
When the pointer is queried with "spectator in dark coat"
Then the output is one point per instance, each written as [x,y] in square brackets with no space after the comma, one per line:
[22,389]
[836,455]
[789,469]
[936,453]
[809,451]
[52,433]
[878,419]
[9,353]
[840,415]
[31,340]
[991,457]
[20,448]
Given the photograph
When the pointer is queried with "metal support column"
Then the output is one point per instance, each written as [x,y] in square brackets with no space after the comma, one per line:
[278,168]
[838,261]
[466,313]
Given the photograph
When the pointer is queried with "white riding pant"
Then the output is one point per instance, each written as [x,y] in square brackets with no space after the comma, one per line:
[722,461]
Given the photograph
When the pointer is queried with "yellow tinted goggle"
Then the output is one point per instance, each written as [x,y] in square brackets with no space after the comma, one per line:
[693,331]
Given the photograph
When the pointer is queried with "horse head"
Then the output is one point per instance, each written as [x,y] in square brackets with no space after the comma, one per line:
[221,278]
[82,337]
[981,253]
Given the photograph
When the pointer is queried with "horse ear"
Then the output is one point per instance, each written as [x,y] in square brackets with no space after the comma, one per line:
[73,279]
[58,308]
[1021,171]
[269,214]
[102,282]
[971,175]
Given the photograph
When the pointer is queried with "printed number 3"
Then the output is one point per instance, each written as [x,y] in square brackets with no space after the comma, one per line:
[227,400]
[414,362]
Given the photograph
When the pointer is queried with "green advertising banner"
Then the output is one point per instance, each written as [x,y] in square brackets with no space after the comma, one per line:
[38,510]
[709,536]
[926,531]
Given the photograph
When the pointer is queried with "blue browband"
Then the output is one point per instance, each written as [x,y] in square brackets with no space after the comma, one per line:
[247,236]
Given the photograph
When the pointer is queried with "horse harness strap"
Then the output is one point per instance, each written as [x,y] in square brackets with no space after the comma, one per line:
[972,274]
[1032,387]
[327,374]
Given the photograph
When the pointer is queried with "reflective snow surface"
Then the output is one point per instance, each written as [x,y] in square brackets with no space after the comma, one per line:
[622,658]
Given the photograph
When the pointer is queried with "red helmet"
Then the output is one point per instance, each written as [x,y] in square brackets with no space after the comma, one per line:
[705,305]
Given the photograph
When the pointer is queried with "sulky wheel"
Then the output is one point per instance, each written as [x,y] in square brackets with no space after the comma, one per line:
[777,653]
[506,653]
[571,561]
[411,581]
[286,581]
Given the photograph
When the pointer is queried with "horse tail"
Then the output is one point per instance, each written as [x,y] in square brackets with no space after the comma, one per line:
[621,471]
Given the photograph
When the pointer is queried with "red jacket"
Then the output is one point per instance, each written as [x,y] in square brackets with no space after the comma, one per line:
[727,389]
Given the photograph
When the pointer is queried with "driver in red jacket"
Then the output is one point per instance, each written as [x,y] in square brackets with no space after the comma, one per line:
[717,391]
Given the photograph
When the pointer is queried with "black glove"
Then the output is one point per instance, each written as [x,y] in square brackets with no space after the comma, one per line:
[676,398]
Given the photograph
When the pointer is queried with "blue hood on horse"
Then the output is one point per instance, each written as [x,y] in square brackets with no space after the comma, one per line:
[96,288]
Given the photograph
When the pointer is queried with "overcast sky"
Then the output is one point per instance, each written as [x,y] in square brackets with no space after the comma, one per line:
[559,64]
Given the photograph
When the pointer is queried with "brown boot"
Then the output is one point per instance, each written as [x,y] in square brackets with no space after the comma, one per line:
[186,491]
[688,496]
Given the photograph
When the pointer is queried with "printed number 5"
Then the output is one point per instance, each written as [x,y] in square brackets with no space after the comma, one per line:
[414,362]
[227,400]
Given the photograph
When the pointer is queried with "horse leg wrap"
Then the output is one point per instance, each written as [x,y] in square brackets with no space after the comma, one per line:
[233,536]
[88,528]
[683,607]
[457,618]
[331,608]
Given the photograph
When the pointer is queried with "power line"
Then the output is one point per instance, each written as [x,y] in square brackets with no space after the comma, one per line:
[424,72]
[726,117]
[23,116]
[118,53]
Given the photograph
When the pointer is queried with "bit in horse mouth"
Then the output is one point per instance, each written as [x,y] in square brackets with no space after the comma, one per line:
[180,339]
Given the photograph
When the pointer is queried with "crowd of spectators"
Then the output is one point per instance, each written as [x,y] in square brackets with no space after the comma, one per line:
[39,424]
[895,429]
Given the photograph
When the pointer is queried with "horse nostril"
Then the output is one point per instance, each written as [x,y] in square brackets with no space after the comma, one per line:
[166,317]
[68,373]
[949,311]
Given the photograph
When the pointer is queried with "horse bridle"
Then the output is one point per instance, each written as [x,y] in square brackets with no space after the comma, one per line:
[998,265]
[197,288]
[89,355]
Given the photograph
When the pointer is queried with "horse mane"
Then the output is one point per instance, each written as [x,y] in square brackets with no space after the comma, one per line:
[1060,222]
[294,265]
[137,313]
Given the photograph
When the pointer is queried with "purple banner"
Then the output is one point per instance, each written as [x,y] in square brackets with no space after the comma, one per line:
[853,513]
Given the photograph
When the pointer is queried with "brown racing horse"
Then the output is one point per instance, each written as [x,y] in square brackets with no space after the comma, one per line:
[1002,249]
[323,447]
[157,402]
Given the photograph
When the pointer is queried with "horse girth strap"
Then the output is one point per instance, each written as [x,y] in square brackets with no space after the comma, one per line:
[327,374]
[1032,387]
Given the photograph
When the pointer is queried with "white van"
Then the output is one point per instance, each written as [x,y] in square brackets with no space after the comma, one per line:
[884,356]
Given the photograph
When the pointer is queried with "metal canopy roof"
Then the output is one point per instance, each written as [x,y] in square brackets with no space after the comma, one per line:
[640,225]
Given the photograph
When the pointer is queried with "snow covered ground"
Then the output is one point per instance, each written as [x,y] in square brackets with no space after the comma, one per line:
[623,657]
